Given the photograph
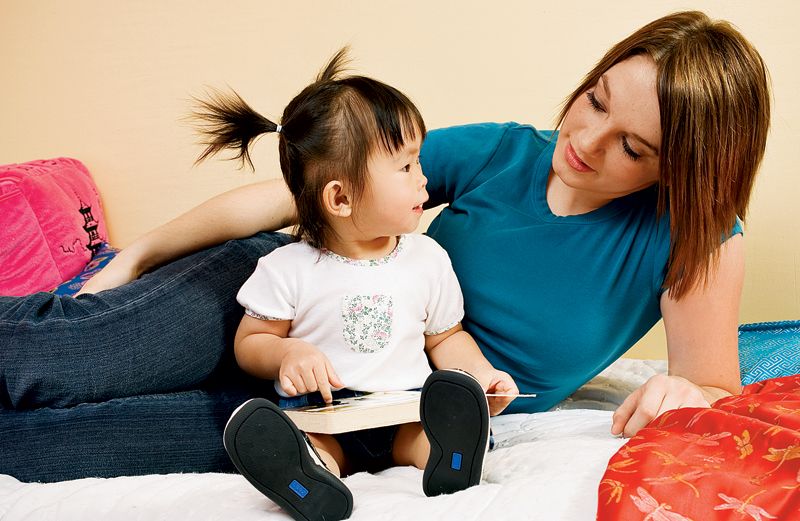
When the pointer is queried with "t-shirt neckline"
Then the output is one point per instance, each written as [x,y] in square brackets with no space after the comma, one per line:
[401,240]
[539,193]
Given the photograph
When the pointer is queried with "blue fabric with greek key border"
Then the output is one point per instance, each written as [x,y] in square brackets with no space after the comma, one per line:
[769,350]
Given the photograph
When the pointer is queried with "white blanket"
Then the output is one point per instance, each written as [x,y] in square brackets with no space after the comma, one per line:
[544,466]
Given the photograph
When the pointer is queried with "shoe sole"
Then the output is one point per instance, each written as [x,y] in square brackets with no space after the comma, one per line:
[272,454]
[455,416]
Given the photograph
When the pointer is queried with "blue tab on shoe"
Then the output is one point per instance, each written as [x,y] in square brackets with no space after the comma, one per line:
[298,489]
[455,462]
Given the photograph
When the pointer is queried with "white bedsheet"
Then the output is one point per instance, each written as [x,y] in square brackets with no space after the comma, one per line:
[545,466]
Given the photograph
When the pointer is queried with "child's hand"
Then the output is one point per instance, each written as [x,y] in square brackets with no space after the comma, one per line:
[501,383]
[306,369]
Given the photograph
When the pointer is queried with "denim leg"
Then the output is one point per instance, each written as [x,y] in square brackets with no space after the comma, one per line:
[152,434]
[170,330]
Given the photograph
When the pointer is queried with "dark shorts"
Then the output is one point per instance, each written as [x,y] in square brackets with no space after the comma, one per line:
[369,450]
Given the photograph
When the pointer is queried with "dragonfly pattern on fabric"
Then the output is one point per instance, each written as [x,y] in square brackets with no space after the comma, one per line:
[737,460]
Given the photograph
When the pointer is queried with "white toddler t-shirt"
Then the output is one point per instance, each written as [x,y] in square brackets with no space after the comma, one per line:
[369,317]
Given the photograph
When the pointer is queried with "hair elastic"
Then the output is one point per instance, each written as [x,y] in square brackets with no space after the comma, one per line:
[278,128]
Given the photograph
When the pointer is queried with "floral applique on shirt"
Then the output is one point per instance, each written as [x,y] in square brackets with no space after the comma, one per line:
[367,322]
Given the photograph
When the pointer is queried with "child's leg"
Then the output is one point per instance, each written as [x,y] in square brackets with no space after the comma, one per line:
[411,446]
[455,416]
[276,458]
[330,452]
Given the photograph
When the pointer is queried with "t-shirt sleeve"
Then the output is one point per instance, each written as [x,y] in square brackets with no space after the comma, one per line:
[662,255]
[270,292]
[446,306]
[453,157]
[738,228]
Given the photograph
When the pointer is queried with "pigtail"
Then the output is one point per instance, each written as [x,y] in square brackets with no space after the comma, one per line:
[227,121]
[336,66]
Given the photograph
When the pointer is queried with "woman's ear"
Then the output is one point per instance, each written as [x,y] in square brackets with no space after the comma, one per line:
[336,200]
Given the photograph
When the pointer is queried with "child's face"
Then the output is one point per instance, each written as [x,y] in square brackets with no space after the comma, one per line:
[393,198]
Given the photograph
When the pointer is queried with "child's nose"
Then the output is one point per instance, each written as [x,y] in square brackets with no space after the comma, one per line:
[423,181]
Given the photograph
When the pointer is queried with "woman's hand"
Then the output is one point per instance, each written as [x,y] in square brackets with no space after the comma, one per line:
[659,394]
[305,369]
[116,273]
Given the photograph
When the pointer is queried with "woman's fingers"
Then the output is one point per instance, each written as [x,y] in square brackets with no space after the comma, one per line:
[659,394]
[647,409]
[624,412]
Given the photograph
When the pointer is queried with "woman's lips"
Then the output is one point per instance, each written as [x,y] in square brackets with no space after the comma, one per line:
[574,161]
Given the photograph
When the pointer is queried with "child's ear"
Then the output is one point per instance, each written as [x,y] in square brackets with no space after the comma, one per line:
[336,200]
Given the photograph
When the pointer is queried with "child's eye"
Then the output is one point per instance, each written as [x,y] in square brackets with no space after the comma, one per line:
[407,168]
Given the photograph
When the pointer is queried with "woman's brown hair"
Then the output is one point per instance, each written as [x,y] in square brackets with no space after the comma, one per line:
[714,101]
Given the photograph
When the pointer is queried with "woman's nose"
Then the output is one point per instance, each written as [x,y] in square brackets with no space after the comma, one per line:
[591,141]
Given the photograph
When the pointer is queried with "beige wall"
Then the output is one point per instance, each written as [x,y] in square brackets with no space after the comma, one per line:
[109,81]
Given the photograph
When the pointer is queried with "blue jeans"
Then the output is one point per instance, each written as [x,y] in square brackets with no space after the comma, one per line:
[136,380]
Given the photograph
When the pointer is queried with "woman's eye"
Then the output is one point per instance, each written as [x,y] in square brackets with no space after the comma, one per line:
[628,150]
[593,101]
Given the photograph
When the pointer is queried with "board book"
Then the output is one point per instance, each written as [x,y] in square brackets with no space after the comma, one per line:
[371,410]
[368,411]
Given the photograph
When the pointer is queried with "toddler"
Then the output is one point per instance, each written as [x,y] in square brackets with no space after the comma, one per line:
[358,304]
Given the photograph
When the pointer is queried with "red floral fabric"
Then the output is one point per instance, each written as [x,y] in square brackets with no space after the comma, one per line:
[738,460]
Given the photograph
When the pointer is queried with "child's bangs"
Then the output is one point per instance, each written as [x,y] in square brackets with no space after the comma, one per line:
[394,125]
[387,117]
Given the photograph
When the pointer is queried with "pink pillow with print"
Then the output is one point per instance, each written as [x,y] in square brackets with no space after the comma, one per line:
[51,222]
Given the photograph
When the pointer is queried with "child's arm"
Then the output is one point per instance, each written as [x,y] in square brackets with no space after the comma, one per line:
[263,350]
[455,348]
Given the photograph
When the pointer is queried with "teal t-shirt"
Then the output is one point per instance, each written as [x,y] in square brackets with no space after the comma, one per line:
[551,300]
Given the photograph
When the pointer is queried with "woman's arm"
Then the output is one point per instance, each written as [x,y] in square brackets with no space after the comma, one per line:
[702,344]
[264,206]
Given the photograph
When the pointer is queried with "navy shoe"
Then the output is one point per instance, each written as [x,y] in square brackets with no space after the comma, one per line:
[279,461]
[455,416]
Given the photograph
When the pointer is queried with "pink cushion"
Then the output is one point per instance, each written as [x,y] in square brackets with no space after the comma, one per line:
[51,221]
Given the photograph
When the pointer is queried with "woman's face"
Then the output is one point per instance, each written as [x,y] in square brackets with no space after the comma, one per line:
[611,136]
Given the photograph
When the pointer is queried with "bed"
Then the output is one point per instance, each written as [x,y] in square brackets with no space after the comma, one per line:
[544,466]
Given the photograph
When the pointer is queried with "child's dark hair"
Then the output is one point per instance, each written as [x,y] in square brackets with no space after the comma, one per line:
[328,132]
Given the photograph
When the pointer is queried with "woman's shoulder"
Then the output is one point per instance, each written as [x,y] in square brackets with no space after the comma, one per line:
[474,141]
[489,129]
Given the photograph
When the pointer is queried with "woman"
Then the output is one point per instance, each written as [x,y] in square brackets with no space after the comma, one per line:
[568,247]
